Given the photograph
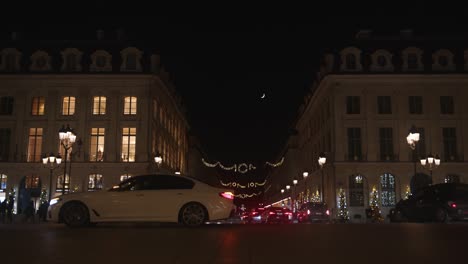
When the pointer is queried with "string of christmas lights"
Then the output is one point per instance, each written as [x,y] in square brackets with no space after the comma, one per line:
[244,195]
[238,185]
[242,167]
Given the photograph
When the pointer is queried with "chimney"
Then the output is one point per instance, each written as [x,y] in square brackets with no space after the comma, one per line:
[15,35]
[363,34]
[406,33]
[100,34]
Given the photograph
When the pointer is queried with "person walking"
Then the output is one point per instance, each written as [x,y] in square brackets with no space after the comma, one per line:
[42,212]
[9,211]
[29,212]
[3,207]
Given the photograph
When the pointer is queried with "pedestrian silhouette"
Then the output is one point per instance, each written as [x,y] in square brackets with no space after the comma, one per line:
[29,212]
[3,208]
[9,215]
[42,212]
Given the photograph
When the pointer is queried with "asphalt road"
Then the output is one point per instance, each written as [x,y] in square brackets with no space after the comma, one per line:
[257,244]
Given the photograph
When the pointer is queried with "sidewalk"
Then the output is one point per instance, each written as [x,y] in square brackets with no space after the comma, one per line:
[19,219]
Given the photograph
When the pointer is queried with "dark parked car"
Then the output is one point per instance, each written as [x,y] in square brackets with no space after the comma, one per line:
[313,212]
[276,215]
[253,216]
[435,203]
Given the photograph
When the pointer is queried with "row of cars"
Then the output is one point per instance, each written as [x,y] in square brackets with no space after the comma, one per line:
[440,203]
[309,212]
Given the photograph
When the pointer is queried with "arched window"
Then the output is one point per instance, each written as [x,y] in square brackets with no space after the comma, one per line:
[387,185]
[95,182]
[60,184]
[3,182]
[356,191]
[452,178]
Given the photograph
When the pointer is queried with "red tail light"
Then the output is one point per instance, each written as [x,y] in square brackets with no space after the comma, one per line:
[272,213]
[308,212]
[227,195]
[452,204]
[288,213]
[254,213]
[327,212]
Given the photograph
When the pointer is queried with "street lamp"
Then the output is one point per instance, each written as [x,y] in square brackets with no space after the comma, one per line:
[305,174]
[282,197]
[321,161]
[412,139]
[294,195]
[67,138]
[288,187]
[52,163]
[430,163]
[158,160]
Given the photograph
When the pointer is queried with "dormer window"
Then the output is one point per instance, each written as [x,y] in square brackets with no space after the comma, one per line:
[10,61]
[101,61]
[412,59]
[443,60]
[131,60]
[40,61]
[350,59]
[381,60]
[71,60]
[351,62]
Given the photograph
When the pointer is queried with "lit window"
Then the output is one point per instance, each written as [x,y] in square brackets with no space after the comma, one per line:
[31,182]
[99,105]
[124,177]
[356,191]
[34,144]
[68,105]
[128,144]
[130,105]
[3,182]
[387,183]
[97,144]
[38,105]
[95,182]
[59,186]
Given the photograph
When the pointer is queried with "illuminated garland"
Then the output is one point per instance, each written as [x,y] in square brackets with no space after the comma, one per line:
[276,164]
[242,168]
[243,195]
[238,185]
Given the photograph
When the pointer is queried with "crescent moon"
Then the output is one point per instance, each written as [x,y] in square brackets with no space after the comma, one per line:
[263,96]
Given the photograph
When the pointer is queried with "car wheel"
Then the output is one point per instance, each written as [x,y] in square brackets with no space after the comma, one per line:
[441,215]
[75,214]
[193,214]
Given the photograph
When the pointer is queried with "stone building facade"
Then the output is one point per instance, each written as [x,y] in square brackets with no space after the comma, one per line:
[360,110]
[119,101]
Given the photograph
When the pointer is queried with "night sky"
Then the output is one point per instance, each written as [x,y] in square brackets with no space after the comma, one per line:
[222,65]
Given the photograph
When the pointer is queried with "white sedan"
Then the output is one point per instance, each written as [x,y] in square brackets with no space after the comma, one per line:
[161,198]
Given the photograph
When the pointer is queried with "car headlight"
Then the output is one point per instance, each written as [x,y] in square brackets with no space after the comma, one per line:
[55,200]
